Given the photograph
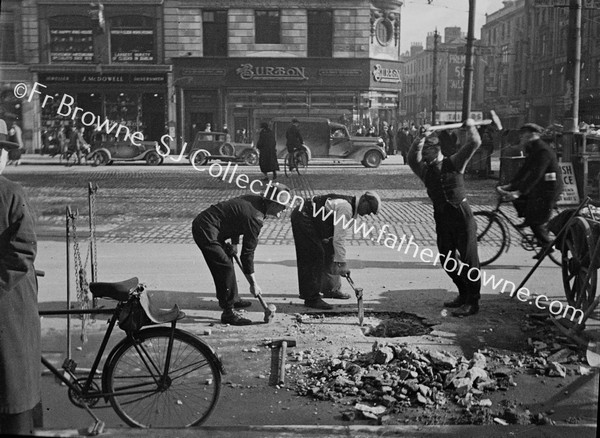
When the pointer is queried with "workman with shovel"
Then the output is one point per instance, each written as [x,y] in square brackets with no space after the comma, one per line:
[228,220]
[319,236]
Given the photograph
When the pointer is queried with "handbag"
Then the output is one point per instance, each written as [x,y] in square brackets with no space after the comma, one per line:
[132,316]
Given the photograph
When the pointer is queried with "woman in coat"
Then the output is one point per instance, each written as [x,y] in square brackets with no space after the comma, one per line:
[20,349]
[267,148]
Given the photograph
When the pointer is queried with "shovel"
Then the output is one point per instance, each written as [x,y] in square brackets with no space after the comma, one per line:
[359,298]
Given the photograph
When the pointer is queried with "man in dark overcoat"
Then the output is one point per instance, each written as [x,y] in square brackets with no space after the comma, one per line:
[537,185]
[319,242]
[455,224]
[20,349]
[266,145]
[293,140]
[228,220]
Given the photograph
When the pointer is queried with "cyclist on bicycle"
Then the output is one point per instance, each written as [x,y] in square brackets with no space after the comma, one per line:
[537,185]
[294,142]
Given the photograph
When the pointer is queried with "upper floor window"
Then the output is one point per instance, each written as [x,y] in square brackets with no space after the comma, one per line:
[8,46]
[214,33]
[132,39]
[267,27]
[71,39]
[320,33]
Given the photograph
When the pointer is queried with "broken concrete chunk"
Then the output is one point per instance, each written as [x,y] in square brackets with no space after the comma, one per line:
[554,369]
[443,360]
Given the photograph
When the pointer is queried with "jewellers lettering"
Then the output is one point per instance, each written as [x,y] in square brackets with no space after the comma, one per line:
[381,74]
[248,71]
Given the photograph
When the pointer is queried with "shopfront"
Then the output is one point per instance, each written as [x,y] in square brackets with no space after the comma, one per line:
[242,92]
[135,100]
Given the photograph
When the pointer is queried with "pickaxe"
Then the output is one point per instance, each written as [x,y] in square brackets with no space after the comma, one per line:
[269,309]
[495,120]
[359,298]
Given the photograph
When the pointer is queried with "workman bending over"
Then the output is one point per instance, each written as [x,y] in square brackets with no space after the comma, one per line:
[320,251]
[228,220]
[455,225]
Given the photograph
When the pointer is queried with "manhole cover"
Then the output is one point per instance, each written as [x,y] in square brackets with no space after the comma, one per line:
[384,324]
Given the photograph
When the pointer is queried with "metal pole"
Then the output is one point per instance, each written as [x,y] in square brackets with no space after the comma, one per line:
[571,125]
[434,78]
[69,215]
[468,85]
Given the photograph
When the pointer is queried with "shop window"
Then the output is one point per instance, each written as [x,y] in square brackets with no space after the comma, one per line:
[124,108]
[321,99]
[297,99]
[71,39]
[320,33]
[8,48]
[267,27]
[214,33]
[271,99]
[132,39]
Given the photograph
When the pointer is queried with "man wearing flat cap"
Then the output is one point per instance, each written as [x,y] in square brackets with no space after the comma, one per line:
[537,185]
[293,140]
[455,224]
[319,241]
[20,348]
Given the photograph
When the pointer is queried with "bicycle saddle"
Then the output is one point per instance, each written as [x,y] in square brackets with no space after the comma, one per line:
[117,291]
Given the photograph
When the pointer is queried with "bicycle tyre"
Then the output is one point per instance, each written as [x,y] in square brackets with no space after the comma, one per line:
[301,160]
[491,237]
[185,403]
[286,165]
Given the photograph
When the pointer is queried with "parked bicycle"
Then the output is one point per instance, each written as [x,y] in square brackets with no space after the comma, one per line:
[493,236]
[298,161]
[155,376]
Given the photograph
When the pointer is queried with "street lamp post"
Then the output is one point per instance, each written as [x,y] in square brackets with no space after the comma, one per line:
[468,85]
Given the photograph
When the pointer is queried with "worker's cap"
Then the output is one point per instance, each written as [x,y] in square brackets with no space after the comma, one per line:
[295,120]
[432,139]
[264,125]
[279,193]
[373,199]
[4,144]
[531,127]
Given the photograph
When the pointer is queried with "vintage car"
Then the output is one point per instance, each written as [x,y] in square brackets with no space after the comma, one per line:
[106,152]
[216,146]
[326,139]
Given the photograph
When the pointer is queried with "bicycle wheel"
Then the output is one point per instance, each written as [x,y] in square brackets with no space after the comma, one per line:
[301,159]
[491,237]
[287,166]
[143,398]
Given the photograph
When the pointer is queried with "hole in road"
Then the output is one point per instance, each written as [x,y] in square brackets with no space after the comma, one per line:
[385,324]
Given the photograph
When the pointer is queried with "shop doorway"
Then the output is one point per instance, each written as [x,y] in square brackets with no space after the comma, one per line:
[198,122]
[153,116]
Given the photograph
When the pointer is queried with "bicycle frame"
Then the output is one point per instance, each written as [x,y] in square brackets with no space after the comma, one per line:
[87,391]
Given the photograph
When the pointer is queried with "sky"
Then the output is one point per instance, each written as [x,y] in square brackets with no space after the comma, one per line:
[420,18]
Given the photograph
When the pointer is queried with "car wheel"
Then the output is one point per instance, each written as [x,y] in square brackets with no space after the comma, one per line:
[153,159]
[198,157]
[227,149]
[250,158]
[372,159]
[100,158]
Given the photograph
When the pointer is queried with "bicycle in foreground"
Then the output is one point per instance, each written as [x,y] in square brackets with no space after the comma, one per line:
[297,160]
[493,235]
[159,377]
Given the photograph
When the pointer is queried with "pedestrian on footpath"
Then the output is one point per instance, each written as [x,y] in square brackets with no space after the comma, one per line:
[228,220]
[455,224]
[320,251]
[536,187]
[266,146]
[293,141]
[20,345]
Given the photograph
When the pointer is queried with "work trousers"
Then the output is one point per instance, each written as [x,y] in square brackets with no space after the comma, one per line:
[314,258]
[457,235]
[219,263]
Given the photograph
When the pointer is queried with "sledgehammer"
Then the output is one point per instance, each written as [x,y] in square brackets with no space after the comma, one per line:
[269,309]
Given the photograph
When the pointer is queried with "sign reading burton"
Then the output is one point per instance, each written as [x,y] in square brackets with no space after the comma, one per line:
[249,72]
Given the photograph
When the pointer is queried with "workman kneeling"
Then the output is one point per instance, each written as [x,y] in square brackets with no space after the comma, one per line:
[319,241]
[228,220]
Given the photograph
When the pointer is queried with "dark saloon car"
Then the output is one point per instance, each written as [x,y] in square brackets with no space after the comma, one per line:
[106,152]
[217,146]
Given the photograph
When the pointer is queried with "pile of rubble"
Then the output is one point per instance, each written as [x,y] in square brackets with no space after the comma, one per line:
[392,377]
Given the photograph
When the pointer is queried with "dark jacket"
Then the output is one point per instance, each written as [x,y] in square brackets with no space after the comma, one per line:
[20,349]
[242,216]
[325,228]
[268,153]
[293,137]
